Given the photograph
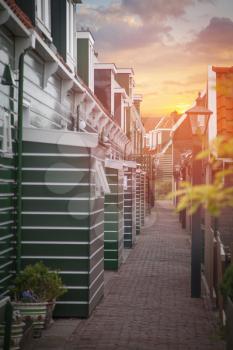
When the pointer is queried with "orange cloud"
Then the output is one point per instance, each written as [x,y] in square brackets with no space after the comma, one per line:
[168,73]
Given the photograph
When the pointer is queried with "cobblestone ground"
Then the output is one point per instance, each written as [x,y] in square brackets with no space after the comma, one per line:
[147,303]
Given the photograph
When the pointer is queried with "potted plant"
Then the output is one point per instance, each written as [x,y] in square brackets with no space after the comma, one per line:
[35,291]
[17,329]
[227,291]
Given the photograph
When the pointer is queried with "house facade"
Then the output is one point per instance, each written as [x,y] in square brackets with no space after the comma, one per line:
[158,143]
[62,117]
[217,234]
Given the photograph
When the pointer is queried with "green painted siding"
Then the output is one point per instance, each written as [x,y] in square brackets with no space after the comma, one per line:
[113,220]
[142,198]
[7,177]
[83,59]
[130,209]
[147,196]
[63,222]
[138,199]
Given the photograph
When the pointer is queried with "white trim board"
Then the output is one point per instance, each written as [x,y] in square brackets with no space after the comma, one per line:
[130,164]
[114,164]
[58,137]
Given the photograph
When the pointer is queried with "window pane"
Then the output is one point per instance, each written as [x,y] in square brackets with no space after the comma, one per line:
[47,13]
[1,130]
[100,173]
[5,134]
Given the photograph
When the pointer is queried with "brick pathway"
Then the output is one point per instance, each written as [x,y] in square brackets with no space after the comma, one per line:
[148,304]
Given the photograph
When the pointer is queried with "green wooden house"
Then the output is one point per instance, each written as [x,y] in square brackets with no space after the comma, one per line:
[129,204]
[114,216]
[138,199]
[56,203]
[63,213]
[143,197]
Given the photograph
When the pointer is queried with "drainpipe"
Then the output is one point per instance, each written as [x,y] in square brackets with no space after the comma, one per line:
[19,163]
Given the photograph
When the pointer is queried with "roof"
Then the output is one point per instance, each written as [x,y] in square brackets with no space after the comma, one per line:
[178,124]
[150,122]
[111,66]
[125,71]
[222,69]
[85,34]
[166,123]
[19,14]
[138,97]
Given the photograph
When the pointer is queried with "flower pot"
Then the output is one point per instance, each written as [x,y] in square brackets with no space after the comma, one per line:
[17,329]
[35,312]
[229,317]
[49,314]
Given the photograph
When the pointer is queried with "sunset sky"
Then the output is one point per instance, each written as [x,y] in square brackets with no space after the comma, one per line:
[169,43]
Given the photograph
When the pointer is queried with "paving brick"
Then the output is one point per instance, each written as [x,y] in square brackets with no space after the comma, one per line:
[147,304]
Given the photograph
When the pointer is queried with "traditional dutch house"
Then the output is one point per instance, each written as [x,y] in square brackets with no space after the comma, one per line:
[217,233]
[114,88]
[52,174]
[218,242]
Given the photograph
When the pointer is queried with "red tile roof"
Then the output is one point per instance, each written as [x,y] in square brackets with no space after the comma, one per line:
[223,69]
[150,123]
[19,13]
[27,22]
[167,123]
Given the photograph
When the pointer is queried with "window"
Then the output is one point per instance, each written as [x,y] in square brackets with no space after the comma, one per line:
[70,38]
[5,134]
[101,180]
[43,15]
[125,184]
[70,27]
[159,138]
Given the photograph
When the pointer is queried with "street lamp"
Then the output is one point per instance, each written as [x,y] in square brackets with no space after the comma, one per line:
[199,117]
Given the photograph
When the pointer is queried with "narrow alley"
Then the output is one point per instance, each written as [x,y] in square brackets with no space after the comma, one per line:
[105,109]
[147,304]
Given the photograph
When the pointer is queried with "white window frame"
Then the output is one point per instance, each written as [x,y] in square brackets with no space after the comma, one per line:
[102,185]
[70,27]
[125,183]
[159,138]
[125,121]
[70,30]
[43,16]
[6,135]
